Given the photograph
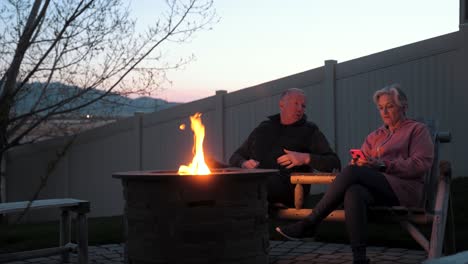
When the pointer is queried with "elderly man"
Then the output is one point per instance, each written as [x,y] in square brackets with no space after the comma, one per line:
[289,143]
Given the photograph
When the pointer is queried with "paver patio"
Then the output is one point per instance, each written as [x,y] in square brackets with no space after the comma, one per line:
[281,252]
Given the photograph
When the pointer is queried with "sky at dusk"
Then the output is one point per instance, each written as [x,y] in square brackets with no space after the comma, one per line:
[257,41]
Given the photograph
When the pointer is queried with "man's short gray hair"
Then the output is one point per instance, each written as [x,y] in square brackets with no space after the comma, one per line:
[290,91]
[393,90]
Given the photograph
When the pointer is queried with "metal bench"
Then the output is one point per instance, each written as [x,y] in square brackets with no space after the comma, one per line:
[437,208]
[80,207]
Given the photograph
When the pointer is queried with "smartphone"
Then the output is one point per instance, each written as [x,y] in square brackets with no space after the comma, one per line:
[357,154]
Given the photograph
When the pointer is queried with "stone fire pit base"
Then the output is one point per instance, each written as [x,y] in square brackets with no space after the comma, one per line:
[219,218]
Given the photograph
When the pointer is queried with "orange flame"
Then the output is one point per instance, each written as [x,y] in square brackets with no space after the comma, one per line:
[198,165]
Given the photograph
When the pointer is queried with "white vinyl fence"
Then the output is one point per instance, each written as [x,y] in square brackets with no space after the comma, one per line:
[433,73]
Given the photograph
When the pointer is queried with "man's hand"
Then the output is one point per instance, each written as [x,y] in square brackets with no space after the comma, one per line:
[250,164]
[293,158]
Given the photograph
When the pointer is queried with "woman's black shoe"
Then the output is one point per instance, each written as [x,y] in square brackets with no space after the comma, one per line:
[297,231]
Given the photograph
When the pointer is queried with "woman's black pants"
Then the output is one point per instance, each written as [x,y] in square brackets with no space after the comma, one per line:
[356,187]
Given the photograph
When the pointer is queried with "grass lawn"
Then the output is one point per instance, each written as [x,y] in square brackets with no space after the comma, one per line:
[108,230]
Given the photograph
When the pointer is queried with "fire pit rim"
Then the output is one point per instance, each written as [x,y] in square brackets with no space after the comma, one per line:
[171,174]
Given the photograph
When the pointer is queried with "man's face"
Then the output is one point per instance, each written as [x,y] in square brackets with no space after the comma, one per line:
[292,107]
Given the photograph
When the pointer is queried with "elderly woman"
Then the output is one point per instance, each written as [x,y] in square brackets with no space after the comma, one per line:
[397,155]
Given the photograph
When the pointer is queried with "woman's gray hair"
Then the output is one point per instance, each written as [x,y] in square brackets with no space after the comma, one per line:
[393,90]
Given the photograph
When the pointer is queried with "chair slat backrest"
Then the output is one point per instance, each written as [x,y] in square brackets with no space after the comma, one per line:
[432,177]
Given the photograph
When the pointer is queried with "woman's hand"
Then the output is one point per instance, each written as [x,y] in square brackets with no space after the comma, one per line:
[369,162]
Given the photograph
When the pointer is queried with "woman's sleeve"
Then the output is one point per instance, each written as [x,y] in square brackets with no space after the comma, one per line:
[421,155]
[368,144]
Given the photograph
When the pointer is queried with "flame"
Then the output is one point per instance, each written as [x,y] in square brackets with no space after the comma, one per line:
[198,165]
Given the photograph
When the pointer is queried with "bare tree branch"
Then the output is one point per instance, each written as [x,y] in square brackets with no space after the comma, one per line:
[92,45]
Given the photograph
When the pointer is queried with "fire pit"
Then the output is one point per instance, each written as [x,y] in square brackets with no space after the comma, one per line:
[216,218]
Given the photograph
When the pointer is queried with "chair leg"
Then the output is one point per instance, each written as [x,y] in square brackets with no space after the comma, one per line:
[298,196]
[82,238]
[440,211]
[449,243]
[65,228]
[416,234]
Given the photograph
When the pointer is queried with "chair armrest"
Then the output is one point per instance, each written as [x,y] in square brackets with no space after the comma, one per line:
[444,136]
[313,178]
[308,178]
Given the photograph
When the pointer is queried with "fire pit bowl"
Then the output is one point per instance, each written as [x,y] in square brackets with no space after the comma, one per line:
[216,218]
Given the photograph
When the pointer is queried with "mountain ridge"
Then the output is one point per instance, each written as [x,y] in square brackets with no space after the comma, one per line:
[113,105]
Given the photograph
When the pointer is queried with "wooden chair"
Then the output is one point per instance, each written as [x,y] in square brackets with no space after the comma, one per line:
[437,208]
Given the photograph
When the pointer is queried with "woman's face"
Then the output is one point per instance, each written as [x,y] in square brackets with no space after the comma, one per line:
[390,112]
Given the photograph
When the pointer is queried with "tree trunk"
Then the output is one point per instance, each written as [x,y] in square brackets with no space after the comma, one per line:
[2,164]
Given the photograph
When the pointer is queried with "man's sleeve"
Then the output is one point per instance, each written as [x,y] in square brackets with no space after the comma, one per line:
[322,157]
[243,152]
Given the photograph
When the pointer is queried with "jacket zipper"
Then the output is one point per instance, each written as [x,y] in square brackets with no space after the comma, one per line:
[383,142]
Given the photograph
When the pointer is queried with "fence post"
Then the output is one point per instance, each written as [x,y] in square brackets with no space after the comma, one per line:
[219,125]
[463,13]
[139,137]
[329,127]
[460,84]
